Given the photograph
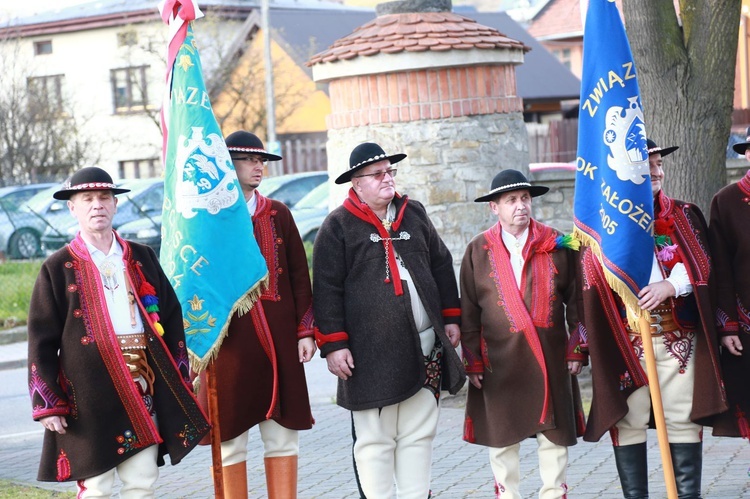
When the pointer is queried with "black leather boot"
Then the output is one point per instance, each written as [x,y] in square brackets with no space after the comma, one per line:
[687,460]
[633,471]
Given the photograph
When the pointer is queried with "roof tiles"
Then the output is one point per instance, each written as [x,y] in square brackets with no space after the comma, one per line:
[416,32]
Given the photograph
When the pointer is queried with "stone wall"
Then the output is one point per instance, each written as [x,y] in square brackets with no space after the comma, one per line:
[450,162]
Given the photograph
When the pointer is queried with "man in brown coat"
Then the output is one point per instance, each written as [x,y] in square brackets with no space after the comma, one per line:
[517,292]
[260,375]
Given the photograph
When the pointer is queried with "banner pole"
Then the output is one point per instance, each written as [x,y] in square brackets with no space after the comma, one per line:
[213,415]
[658,408]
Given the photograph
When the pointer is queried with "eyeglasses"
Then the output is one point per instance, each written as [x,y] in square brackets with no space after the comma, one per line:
[251,159]
[380,175]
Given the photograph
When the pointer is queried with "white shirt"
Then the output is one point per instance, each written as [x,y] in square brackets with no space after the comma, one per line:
[115,290]
[252,204]
[678,277]
[515,248]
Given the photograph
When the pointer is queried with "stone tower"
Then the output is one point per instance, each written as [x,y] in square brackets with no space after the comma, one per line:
[439,87]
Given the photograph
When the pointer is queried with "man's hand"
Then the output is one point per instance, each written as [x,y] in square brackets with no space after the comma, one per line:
[341,363]
[454,334]
[574,367]
[55,423]
[655,293]
[306,348]
[476,380]
[732,343]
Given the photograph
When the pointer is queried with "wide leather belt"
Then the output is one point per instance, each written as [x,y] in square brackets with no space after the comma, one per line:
[133,347]
[662,320]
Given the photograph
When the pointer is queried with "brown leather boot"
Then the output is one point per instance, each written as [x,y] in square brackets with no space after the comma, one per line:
[281,477]
[235,481]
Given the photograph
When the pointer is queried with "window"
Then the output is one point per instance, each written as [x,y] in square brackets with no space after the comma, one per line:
[129,89]
[43,47]
[140,168]
[563,55]
[45,93]
[127,38]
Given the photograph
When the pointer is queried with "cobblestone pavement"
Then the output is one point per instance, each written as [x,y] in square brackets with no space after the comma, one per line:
[460,470]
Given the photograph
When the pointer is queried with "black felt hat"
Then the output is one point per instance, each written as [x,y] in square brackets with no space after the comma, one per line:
[242,141]
[511,180]
[366,154]
[740,147]
[88,179]
[653,148]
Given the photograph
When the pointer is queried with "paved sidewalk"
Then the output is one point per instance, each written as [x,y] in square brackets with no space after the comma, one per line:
[460,470]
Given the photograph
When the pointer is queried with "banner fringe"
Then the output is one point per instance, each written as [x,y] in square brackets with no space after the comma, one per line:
[634,312]
[241,307]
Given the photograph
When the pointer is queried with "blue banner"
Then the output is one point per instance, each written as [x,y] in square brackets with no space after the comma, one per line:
[613,206]
[208,250]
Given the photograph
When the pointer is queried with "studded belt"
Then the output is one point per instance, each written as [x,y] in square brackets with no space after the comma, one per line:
[133,347]
[662,320]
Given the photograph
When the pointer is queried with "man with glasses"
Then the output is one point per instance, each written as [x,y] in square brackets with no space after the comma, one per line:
[259,369]
[386,303]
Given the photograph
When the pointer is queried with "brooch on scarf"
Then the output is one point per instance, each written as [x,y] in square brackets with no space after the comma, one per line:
[402,236]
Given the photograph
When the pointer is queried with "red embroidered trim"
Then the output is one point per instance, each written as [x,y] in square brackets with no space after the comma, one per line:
[469,430]
[451,312]
[744,184]
[264,229]
[321,339]
[63,466]
[511,301]
[539,245]
[99,325]
[264,337]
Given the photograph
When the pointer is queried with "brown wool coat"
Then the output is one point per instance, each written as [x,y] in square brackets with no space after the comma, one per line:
[616,371]
[511,358]
[729,233]
[244,368]
[89,383]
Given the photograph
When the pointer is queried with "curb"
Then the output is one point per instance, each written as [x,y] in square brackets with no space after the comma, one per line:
[13,364]
[13,335]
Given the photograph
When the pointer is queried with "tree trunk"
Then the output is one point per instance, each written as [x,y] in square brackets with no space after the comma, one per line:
[686,77]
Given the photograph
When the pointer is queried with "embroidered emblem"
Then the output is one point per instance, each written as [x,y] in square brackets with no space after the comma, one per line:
[40,391]
[679,345]
[63,466]
[199,323]
[499,490]
[625,381]
[638,347]
[72,288]
[187,435]
[625,135]
[128,440]
[485,354]
[743,316]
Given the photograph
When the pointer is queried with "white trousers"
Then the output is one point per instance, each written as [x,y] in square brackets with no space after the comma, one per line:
[396,442]
[553,462]
[138,475]
[277,441]
[676,394]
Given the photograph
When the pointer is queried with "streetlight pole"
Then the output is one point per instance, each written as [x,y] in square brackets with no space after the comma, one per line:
[272,144]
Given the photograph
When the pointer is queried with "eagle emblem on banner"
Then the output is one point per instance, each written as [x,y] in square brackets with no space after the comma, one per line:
[625,135]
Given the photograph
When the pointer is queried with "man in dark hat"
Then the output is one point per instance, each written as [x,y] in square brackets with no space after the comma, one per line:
[259,369]
[684,343]
[108,368]
[729,233]
[516,346]
[386,303]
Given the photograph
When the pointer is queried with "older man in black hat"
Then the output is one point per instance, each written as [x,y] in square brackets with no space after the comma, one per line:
[260,375]
[108,370]
[684,343]
[386,303]
[516,345]
[729,233]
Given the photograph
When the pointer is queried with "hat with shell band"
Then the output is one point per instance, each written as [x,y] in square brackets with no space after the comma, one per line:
[511,180]
[242,141]
[653,148]
[366,154]
[741,147]
[88,179]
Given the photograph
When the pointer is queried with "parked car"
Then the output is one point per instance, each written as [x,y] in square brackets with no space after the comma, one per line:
[310,211]
[21,225]
[290,188]
[144,200]
[144,230]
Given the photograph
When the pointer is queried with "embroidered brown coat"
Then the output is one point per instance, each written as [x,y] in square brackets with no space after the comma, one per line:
[88,382]
[729,233]
[518,340]
[250,364]
[615,368]
[356,309]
